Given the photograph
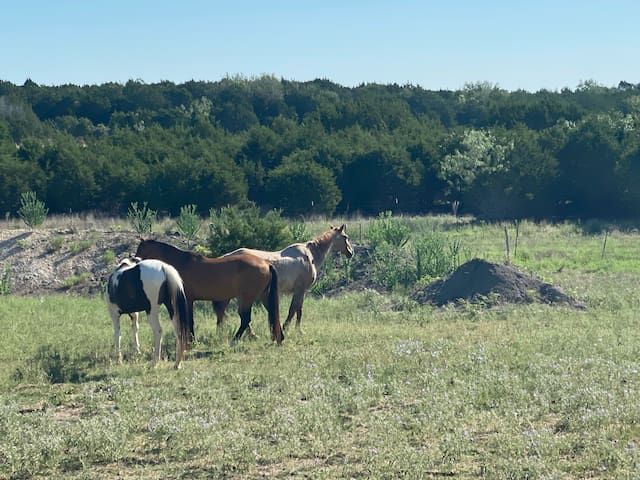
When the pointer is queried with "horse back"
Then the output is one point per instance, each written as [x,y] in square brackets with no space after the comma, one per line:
[126,290]
[264,254]
[227,277]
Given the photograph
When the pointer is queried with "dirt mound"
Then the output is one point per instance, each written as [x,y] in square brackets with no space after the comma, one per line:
[61,260]
[493,284]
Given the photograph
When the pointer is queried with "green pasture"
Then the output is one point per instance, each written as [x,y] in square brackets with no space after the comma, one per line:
[372,386]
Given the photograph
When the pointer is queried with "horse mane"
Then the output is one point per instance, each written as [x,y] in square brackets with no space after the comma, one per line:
[168,246]
[317,245]
[129,261]
[321,239]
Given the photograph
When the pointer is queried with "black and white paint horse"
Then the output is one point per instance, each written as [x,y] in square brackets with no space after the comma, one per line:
[143,285]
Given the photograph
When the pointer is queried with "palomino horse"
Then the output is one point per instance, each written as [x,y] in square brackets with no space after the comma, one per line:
[244,277]
[297,267]
[138,285]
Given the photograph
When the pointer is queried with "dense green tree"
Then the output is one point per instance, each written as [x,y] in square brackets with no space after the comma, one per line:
[628,174]
[471,154]
[299,186]
[71,182]
[18,176]
[386,147]
[587,165]
[380,180]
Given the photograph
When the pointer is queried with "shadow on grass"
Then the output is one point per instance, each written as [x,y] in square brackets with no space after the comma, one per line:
[57,367]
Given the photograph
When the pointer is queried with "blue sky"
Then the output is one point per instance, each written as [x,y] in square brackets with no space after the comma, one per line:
[531,45]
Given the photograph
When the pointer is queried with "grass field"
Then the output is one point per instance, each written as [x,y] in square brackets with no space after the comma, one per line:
[373,386]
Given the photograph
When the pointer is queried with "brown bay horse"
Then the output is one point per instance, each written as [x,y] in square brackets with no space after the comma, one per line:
[246,278]
[297,267]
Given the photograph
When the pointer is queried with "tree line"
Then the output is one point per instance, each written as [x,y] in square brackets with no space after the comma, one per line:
[320,148]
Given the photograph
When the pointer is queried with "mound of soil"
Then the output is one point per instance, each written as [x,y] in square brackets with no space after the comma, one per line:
[61,260]
[493,284]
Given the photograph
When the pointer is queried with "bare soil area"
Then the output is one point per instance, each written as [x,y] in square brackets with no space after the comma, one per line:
[61,260]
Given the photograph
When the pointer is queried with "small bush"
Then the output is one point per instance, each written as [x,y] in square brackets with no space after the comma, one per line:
[77,279]
[232,228]
[299,231]
[81,245]
[386,229]
[391,267]
[23,243]
[141,219]
[55,244]
[188,222]
[32,211]
[435,256]
[109,257]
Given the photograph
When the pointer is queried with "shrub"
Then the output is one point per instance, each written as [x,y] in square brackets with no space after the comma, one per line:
[299,231]
[232,228]
[55,244]
[188,222]
[141,219]
[435,256]
[32,211]
[77,279]
[391,267]
[386,229]
[109,257]
[81,245]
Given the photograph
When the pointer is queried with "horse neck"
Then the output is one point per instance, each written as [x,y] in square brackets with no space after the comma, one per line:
[320,247]
[171,252]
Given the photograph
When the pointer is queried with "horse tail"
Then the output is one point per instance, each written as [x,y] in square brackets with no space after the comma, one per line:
[274,306]
[180,307]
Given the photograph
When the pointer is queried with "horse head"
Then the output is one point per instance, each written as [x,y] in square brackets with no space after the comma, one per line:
[144,246]
[129,261]
[340,241]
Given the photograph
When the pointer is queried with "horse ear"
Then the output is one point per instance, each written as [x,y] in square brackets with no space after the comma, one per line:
[331,227]
[343,228]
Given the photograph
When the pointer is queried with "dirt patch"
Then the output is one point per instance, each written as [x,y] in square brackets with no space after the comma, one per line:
[61,260]
[493,284]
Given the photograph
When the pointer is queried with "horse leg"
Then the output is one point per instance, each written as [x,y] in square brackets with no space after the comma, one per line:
[115,318]
[245,319]
[289,315]
[295,309]
[179,344]
[154,321]
[299,311]
[190,314]
[219,307]
[134,331]
[298,317]
[250,334]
